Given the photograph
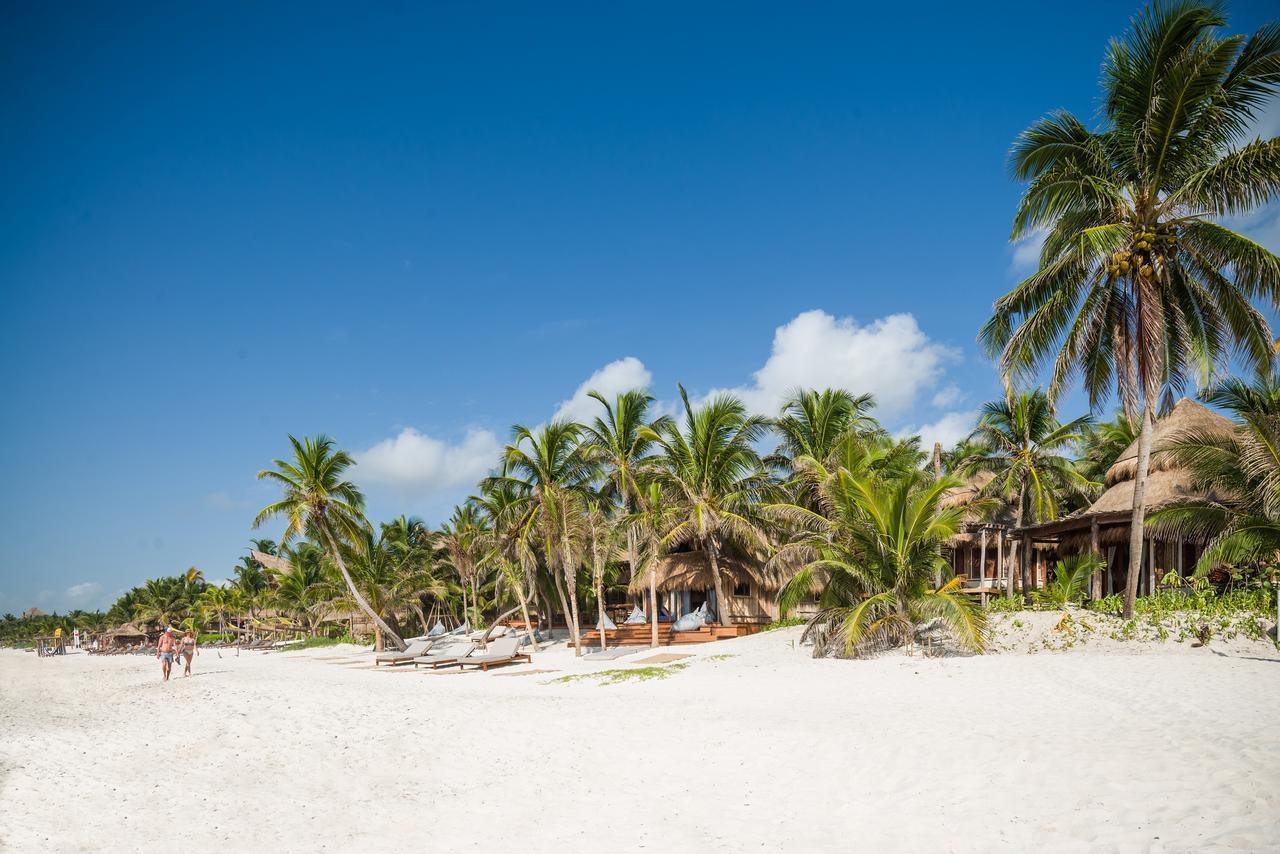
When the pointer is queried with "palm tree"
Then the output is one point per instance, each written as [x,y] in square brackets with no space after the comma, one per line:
[551,471]
[220,603]
[602,534]
[463,542]
[301,590]
[162,601]
[619,443]
[813,424]
[711,469]
[1021,442]
[410,536]
[319,504]
[656,514]
[871,555]
[1240,472]
[385,578]
[517,563]
[1101,444]
[1138,288]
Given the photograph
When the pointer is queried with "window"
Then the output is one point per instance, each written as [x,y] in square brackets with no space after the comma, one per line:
[742,589]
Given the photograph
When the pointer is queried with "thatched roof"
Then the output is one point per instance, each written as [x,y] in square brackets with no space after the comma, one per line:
[128,630]
[1165,486]
[967,493]
[272,562]
[692,571]
[1186,416]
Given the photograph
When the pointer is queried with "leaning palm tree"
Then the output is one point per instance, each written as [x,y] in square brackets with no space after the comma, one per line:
[709,465]
[870,556]
[1138,287]
[551,471]
[321,505]
[1021,442]
[618,442]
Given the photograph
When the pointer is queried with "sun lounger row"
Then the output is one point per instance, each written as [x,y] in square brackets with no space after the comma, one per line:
[450,652]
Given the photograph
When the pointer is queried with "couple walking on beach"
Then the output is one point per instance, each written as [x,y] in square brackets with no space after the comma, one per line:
[169,646]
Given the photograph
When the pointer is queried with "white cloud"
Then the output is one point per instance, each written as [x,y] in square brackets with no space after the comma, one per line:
[890,357]
[1026,252]
[626,374]
[419,464]
[949,396]
[948,430]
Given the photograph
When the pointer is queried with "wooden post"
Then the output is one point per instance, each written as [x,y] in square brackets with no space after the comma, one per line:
[1000,567]
[1181,548]
[1151,566]
[1111,577]
[1027,568]
[1095,587]
[982,559]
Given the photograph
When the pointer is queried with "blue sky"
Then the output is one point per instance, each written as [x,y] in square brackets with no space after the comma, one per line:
[412,225]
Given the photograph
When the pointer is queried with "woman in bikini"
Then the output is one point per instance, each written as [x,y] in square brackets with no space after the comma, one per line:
[188,651]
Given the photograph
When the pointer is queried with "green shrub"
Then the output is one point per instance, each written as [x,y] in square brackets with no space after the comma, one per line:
[1005,605]
[784,623]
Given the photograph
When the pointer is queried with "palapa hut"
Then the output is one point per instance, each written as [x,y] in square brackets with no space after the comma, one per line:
[124,635]
[1104,526]
[978,552]
[684,583]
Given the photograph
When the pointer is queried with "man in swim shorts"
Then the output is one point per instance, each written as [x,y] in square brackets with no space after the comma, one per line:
[164,651]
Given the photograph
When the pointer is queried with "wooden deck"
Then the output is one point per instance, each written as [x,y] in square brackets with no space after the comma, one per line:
[640,635]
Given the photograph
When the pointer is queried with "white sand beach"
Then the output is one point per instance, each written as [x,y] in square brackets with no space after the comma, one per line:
[753,746]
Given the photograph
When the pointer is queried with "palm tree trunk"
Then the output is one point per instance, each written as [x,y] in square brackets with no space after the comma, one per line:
[571,586]
[564,603]
[1022,551]
[653,605]
[361,602]
[422,618]
[722,604]
[1138,519]
[600,610]
[524,612]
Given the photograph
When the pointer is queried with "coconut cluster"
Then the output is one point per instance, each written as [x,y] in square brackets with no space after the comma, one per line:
[1140,256]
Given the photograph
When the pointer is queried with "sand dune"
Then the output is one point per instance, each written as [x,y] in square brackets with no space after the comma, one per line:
[1168,750]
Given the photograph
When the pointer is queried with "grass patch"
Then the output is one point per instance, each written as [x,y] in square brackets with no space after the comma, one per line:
[724,656]
[633,674]
[313,643]
[785,623]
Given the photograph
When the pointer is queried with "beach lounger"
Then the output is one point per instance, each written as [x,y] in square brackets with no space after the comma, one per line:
[450,654]
[409,653]
[500,652]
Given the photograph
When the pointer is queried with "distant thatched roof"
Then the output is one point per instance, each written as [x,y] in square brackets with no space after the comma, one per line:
[128,630]
[1186,416]
[982,511]
[967,493]
[692,571]
[272,562]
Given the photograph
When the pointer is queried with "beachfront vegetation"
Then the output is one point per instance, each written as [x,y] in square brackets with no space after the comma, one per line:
[1140,286]
[1140,291]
